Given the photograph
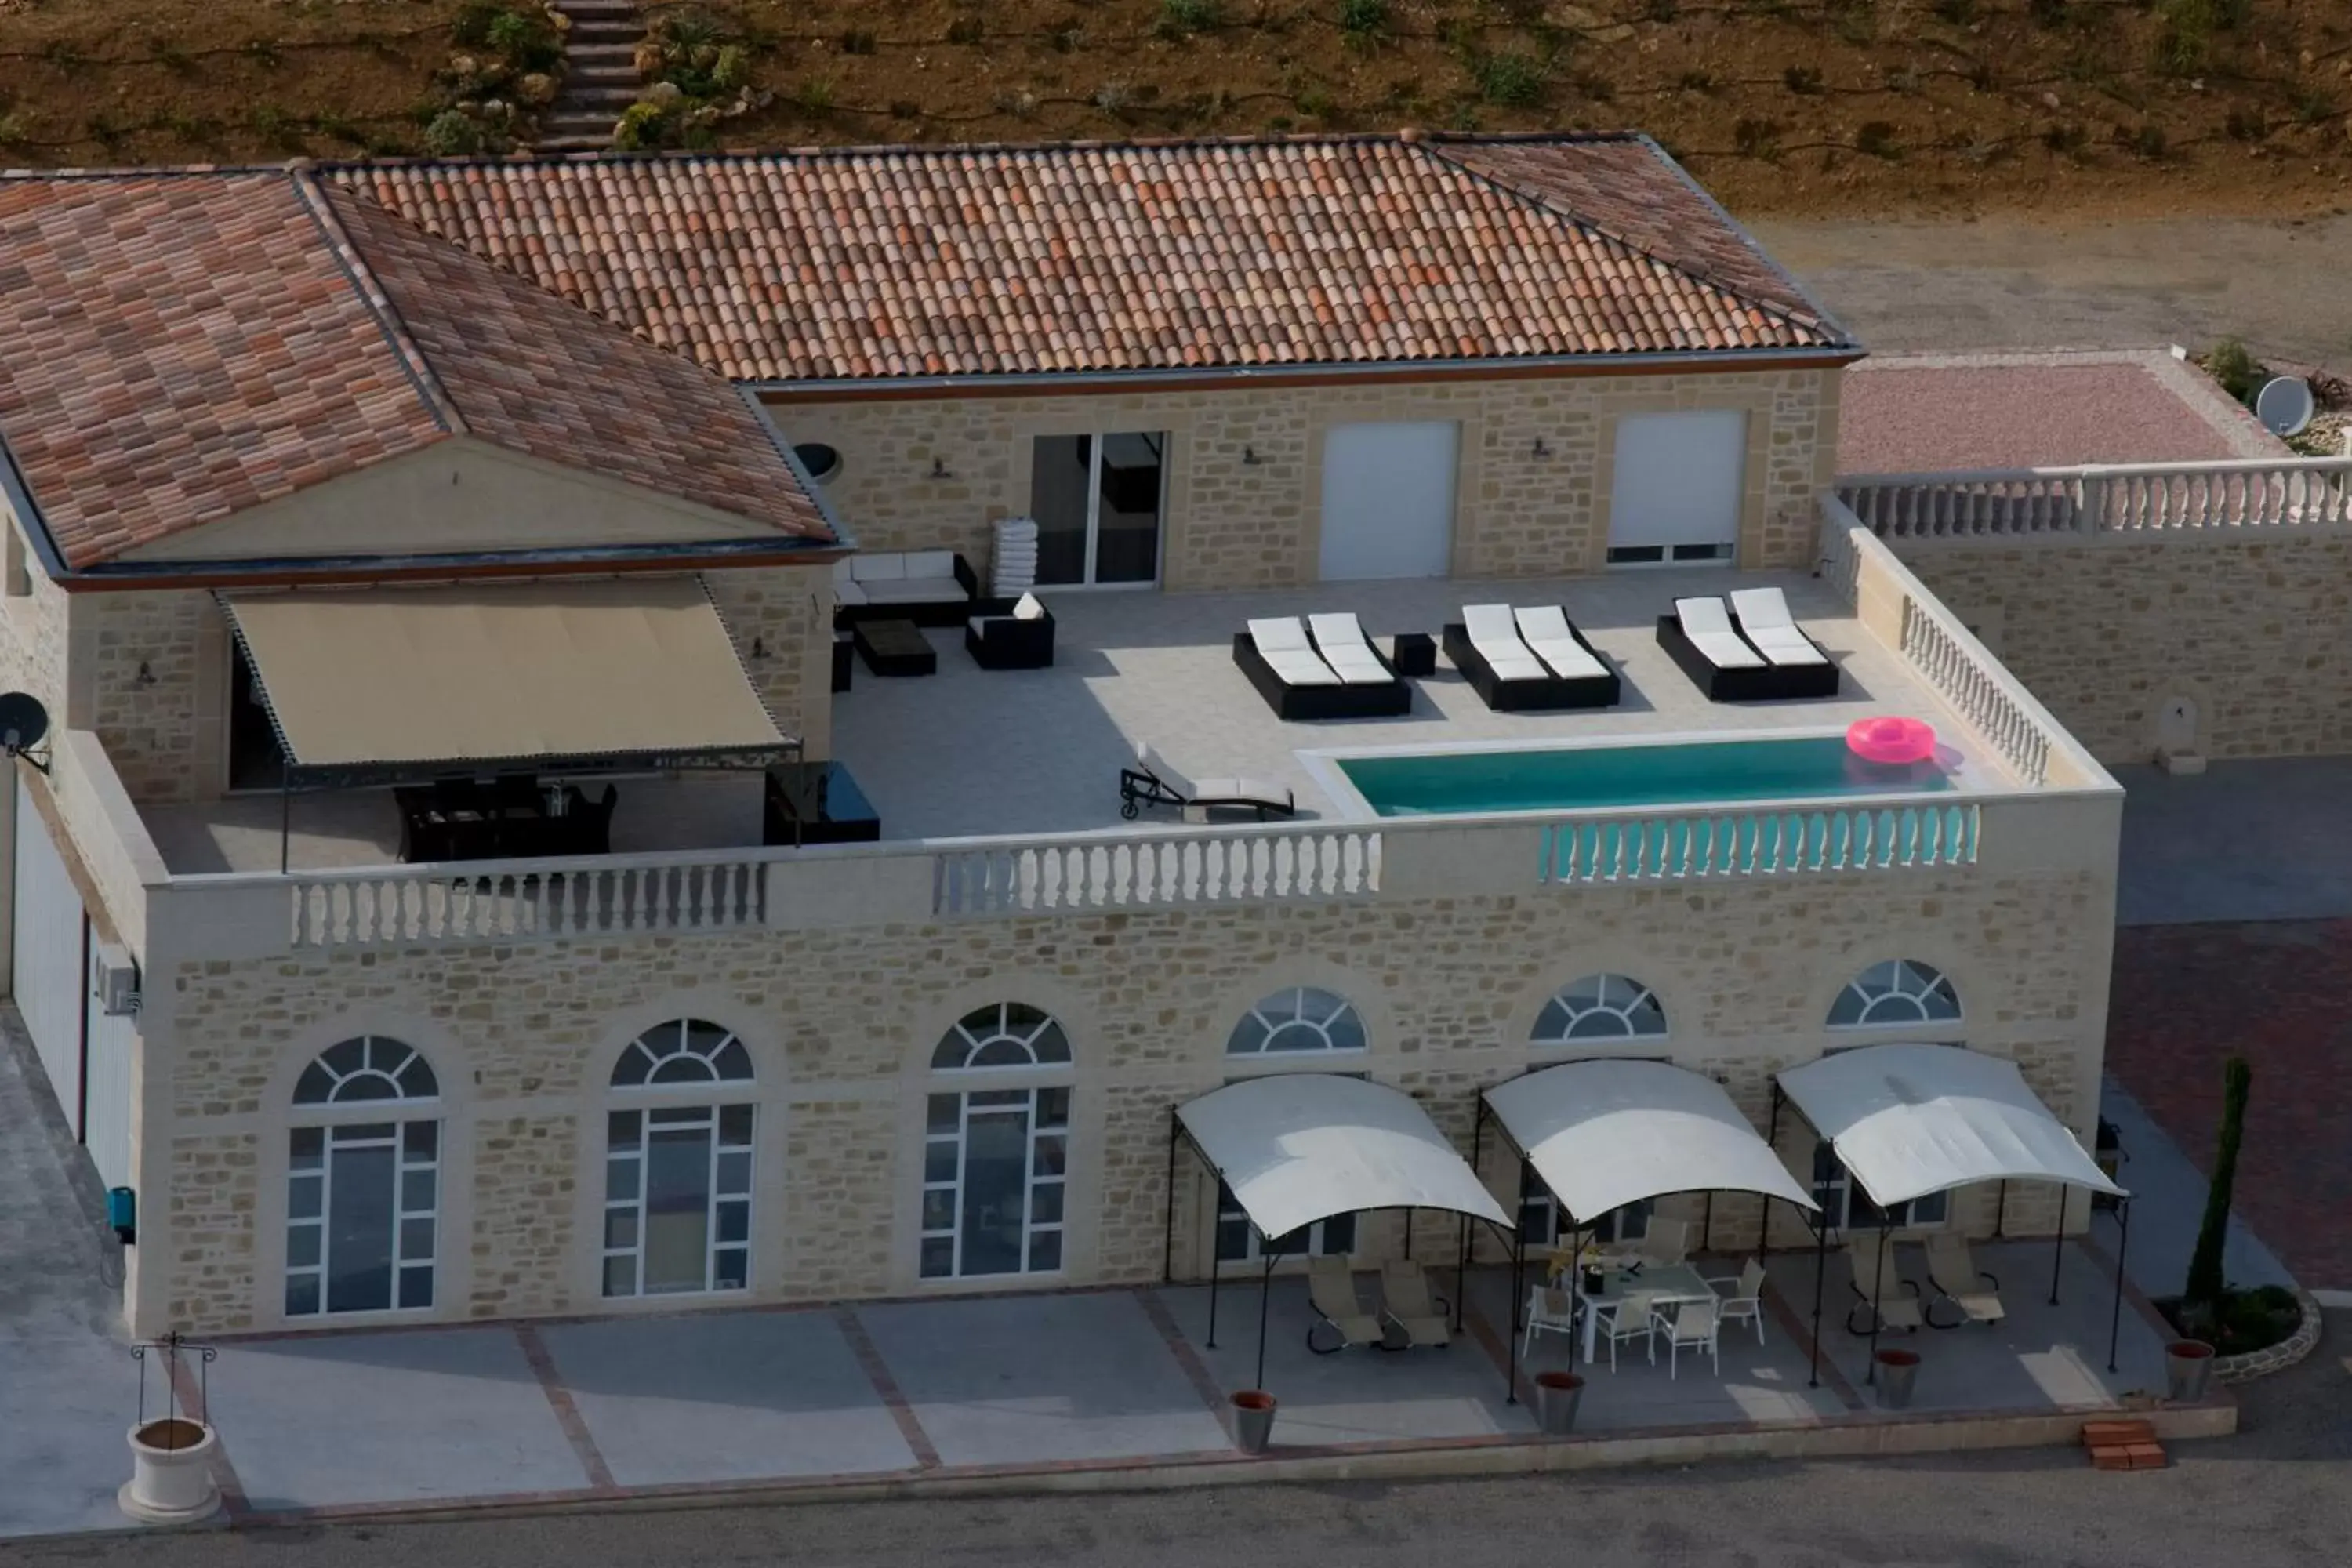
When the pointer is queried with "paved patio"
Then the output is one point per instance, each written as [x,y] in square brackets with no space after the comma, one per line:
[2241,841]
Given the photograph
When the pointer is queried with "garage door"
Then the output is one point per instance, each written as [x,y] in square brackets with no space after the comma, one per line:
[48,956]
[1388,500]
[1679,480]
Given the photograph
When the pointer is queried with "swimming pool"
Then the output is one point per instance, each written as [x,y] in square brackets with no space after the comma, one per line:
[1680,773]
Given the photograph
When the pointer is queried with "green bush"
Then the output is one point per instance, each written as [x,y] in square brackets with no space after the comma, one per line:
[453,134]
[1181,18]
[1363,19]
[1876,139]
[1510,79]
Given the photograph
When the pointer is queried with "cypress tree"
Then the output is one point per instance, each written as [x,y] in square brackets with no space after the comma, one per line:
[2206,1282]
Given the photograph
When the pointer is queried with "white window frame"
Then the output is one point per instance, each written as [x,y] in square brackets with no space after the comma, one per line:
[1096,441]
[1627,1011]
[1629,1224]
[1909,991]
[336,1123]
[730,1175]
[1048,1071]
[1329,1006]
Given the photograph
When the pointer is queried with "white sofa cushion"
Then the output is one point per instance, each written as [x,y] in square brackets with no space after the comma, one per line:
[914,591]
[885,568]
[845,569]
[846,592]
[1029,608]
[930,564]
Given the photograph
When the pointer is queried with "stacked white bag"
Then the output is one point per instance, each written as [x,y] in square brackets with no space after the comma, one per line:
[1016,557]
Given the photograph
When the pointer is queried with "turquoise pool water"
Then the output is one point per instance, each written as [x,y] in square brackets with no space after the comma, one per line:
[1810,767]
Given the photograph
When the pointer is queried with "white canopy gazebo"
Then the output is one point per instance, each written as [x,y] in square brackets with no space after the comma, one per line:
[1605,1133]
[1297,1148]
[1910,1120]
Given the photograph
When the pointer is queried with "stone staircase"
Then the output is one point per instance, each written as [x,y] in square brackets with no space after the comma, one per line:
[600,76]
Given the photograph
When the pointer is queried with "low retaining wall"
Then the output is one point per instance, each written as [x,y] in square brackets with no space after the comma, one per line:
[2279,1357]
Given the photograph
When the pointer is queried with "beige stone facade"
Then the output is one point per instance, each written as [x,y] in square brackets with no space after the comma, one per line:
[1244,467]
[842,1023]
[2251,627]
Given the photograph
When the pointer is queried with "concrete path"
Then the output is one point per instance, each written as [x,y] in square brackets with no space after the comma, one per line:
[2169,1207]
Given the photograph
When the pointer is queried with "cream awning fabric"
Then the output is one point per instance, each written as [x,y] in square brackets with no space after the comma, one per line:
[1603,1135]
[1909,1120]
[1300,1147]
[499,673]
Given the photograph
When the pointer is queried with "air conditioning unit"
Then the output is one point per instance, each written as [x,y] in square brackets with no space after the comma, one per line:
[113,979]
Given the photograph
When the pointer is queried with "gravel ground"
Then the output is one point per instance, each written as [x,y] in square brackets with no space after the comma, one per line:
[2011,282]
[2279,1493]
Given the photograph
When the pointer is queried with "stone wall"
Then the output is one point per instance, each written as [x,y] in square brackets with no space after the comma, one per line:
[2255,629]
[1243,480]
[840,1024]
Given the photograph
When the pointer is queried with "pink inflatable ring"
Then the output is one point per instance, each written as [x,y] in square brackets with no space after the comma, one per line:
[1891,740]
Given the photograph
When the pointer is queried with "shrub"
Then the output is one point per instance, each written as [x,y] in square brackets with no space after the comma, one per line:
[1181,18]
[1363,20]
[1876,139]
[2233,365]
[2246,125]
[1696,81]
[1757,138]
[964,30]
[1803,81]
[2049,13]
[2206,1283]
[2069,140]
[1661,10]
[453,134]
[1510,79]
[1958,13]
[857,41]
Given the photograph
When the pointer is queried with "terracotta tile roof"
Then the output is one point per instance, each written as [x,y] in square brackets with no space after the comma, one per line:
[531,373]
[174,348]
[178,346]
[875,263]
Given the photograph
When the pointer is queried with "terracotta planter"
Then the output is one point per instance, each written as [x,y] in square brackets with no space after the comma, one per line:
[1253,1420]
[171,1472]
[2187,1368]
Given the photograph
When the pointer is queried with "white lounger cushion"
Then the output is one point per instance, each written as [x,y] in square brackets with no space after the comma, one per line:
[1283,645]
[1234,789]
[1496,637]
[1341,642]
[1764,618]
[1707,624]
[1545,627]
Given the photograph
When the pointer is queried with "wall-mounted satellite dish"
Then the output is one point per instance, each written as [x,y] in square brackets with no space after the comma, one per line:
[24,724]
[2285,406]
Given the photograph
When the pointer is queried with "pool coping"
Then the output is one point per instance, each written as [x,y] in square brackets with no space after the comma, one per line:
[1976,777]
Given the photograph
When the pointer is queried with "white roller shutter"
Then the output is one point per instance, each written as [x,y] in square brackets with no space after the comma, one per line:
[113,1042]
[49,984]
[1678,483]
[1388,500]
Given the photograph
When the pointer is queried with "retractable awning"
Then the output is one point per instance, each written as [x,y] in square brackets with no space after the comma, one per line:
[1907,1121]
[1603,1135]
[1297,1148]
[501,672]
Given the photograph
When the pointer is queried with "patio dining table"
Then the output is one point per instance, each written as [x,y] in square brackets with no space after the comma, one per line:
[1665,1283]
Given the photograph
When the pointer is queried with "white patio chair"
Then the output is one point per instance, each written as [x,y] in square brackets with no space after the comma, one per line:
[1331,1290]
[1955,1277]
[1665,1242]
[1550,1311]
[1697,1324]
[1879,1282]
[1764,620]
[1628,1317]
[1407,1301]
[1742,1297]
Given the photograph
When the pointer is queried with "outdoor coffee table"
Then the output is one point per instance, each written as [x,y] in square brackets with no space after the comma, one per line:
[1667,1283]
[895,647]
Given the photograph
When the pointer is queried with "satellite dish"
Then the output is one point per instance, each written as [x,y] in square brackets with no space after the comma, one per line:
[2285,406]
[23,722]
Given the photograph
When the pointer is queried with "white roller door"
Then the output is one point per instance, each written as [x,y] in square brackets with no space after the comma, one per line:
[1388,500]
[1677,487]
[49,984]
[113,1042]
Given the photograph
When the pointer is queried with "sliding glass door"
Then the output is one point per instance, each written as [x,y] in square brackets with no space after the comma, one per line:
[1096,500]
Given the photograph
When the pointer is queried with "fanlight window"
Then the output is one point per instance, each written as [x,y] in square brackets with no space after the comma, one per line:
[367,1067]
[685,1051]
[1899,991]
[1601,1007]
[1300,1018]
[1003,1035]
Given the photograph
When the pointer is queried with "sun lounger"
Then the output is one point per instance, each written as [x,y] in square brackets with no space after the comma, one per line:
[1762,616]
[1881,1286]
[1526,659]
[1406,1301]
[1958,1279]
[1295,675]
[1331,1290]
[1702,637]
[1152,781]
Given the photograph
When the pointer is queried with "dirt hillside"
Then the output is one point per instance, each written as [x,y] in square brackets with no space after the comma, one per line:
[1784,107]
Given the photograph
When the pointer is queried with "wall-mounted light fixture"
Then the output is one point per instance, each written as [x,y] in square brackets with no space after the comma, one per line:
[759,647]
[1540,449]
[1250,457]
[939,469]
[146,676]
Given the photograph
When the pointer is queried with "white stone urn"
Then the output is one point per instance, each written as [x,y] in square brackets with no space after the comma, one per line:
[171,1472]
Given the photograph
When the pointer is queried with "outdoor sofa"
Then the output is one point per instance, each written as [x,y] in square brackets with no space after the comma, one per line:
[1722,661]
[1333,672]
[1529,659]
[929,587]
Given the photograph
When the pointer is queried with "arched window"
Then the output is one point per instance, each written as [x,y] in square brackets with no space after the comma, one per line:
[994,1160]
[1898,991]
[1003,1035]
[1297,1018]
[678,1164]
[362,1181]
[1600,1007]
